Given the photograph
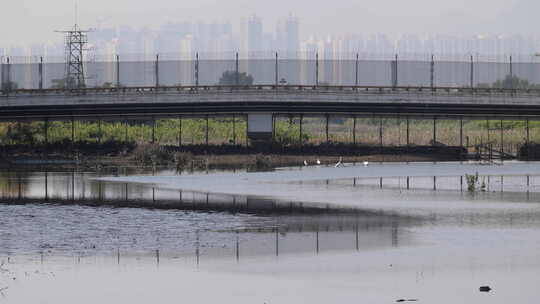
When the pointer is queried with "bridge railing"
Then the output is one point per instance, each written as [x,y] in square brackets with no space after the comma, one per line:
[280,70]
[495,95]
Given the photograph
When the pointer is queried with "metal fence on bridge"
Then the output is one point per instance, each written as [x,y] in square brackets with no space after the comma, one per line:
[274,68]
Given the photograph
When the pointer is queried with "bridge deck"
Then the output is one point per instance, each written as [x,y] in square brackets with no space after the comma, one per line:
[214,100]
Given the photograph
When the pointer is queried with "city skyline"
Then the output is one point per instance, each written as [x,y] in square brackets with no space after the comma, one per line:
[419,17]
[255,35]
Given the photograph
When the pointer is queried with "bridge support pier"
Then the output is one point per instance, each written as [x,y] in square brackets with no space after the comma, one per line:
[461,135]
[126,131]
[19,133]
[73,136]
[46,131]
[180,131]
[327,123]
[260,128]
[434,131]
[381,151]
[502,141]
[301,140]
[153,130]
[354,127]
[407,136]
[99,132]
[407,131]
[206,130]
[234,129]
[528,139]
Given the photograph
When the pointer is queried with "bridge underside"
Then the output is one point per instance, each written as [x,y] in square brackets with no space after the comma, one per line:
[164,110]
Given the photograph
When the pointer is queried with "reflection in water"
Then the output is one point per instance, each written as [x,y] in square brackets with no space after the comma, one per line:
[70,221]
[250,224]
[264,226]
[82,188]
[50,230]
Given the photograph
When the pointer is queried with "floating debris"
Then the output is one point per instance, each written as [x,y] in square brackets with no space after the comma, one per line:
[485,289]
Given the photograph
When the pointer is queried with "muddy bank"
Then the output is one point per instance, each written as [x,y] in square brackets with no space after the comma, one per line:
[88,156]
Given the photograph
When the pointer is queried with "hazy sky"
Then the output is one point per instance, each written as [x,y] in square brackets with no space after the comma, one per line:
[24,21]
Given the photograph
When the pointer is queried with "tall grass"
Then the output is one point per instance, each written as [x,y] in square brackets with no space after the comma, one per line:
[192,131]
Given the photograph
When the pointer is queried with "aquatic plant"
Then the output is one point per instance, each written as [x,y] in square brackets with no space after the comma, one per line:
[152,154]
[472,182]
[262,162]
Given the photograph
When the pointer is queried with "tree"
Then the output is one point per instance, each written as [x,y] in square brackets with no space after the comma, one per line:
[229,78]
[512,82]
[64,83]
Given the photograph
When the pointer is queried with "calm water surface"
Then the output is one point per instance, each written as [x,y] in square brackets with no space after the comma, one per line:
[298,235]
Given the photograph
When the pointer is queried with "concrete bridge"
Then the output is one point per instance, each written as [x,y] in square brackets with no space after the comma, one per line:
[260,103]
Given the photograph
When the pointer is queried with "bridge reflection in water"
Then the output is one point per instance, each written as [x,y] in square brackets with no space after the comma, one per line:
[274,227]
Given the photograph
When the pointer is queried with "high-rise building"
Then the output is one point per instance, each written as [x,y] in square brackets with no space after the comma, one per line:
[252,36]
[288,36]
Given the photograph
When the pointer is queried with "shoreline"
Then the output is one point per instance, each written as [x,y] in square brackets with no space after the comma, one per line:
[194,158]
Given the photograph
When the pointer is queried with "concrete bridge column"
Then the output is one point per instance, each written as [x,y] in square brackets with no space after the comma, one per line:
[327,117]
[180,131]
[354,129]
[234,129]
[260,127]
